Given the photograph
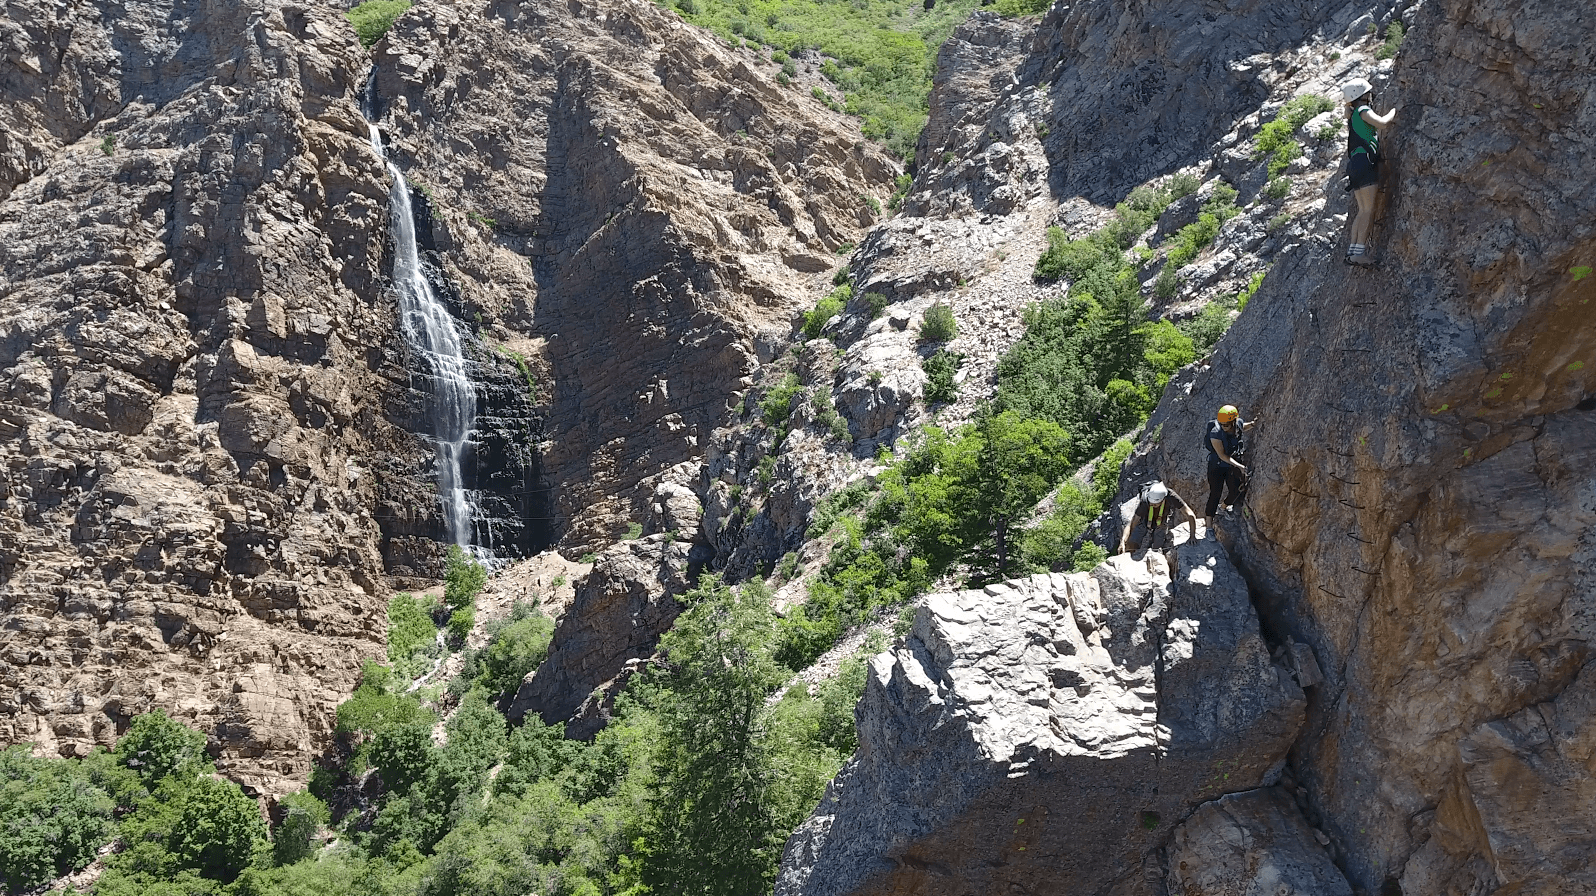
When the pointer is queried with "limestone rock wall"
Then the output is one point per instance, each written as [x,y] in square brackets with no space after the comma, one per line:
[1043,734]
[195,354]
[641,206]
[1423,484]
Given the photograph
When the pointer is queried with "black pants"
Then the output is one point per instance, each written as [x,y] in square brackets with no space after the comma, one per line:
[1221,475]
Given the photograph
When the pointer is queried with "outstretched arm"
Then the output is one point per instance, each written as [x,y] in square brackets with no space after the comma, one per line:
[1378,121]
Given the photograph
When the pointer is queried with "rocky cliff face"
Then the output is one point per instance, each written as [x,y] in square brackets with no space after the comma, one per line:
[215,466]
[191,333]
[1041,735]
[640,204]
[1418,525]
[1423,483]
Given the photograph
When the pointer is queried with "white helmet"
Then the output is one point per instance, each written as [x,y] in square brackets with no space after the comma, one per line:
[1355,88]
[1156,493]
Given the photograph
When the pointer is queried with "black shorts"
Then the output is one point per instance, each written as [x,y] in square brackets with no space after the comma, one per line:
[1362,172]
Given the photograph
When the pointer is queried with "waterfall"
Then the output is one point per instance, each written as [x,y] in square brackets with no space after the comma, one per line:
[430,332]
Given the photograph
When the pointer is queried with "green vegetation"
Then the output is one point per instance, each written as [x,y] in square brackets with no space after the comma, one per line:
[1277,189]
[412,637]
[1193,238]
[373,18]
[1013,8]
[938,325]
[1276,139]
[1394,33]
[825,310]
[526,372]
[877,53]
[108,144]
[463,580]
[776,406]
[515,647]
[182,828]
[1105,247]
[939,371]
[875,303]
[1048,546]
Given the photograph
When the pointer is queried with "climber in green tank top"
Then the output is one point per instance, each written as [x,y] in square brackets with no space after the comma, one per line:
[1363,159]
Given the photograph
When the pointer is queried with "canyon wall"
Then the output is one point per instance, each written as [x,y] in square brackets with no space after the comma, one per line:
[195,353]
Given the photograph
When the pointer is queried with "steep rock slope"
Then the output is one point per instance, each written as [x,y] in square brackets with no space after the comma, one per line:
[1424,487]
[194,358]
[635,206]
[1034,736]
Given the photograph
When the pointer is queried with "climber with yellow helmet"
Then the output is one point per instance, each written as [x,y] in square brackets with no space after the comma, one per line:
[1224,442]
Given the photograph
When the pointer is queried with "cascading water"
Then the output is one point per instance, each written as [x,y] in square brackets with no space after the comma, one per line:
[430,331]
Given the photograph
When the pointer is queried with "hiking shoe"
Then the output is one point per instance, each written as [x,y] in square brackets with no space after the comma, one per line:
[1362,259]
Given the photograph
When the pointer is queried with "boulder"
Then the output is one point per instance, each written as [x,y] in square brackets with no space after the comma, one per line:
[1044,733]
[1251,844]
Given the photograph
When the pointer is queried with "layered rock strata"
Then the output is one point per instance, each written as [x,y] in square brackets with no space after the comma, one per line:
[640,202]
[195,357]
[1044,734]
[1423,487]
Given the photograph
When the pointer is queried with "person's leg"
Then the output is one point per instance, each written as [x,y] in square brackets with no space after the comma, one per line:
[1216,485]
[1360,224]
[1232,487]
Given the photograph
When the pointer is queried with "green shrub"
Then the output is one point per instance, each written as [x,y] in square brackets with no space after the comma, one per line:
[108,144]
[840,276]
[1190,240]
[303,815]
[1245,296]
[1278,221]
[373,18]
[1205,329]
[1183,185]
[824,310]
[875,303]
[1167,284]
[633,532]
[1277,189]
[1394,33]
[52,819]
[939,371]
[1276,139]
[938,325]
[1088,557]
[514,649]
[1014,8]
[412,638]
[156,746]
[776,406]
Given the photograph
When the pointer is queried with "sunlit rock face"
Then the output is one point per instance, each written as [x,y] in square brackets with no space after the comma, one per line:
[1044,734]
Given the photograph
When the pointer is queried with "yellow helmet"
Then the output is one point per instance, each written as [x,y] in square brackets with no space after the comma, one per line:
[1226,414]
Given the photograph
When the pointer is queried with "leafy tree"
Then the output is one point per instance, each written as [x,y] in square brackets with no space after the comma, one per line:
[404,754]
[157,746]
[463,580]
[1019,460]
[303,815]
[513,651]
[52,819]
[412,638]
[217,828]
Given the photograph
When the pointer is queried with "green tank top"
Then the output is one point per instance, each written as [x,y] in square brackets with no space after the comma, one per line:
[1361,136]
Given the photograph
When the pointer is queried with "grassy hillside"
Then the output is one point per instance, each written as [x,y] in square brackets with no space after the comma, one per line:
[880,52]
